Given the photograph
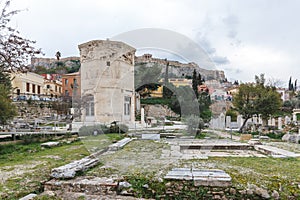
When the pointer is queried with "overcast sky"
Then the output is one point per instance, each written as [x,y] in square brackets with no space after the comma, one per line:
[241,37]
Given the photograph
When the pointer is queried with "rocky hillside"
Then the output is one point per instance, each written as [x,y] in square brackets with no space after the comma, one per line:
[177,69]
[54,66]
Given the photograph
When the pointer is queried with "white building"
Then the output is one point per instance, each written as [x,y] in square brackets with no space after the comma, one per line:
[27,84]
[107,82]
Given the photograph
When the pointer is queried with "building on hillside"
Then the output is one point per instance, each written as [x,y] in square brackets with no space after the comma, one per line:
[27,84]
[284,94]
[203,88]
[177,82]
[107,82]
[52,77]
[70,85]
[213,84]
[158,93]
[52,88]
[218,95]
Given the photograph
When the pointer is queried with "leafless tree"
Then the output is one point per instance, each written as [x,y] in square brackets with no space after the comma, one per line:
[15,51]
[273,82]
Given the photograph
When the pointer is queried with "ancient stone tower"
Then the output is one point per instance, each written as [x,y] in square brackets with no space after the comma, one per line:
[107,82]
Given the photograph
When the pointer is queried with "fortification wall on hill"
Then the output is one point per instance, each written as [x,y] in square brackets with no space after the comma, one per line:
[179,69]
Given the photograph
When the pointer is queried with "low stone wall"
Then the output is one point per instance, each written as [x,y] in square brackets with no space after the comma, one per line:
[87,185]
[158,111]
[159,189]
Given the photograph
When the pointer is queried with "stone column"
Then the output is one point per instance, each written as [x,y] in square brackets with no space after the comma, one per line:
[279,123]
[239,121]
[228,121]
[260,121]
[286,120]
[254,119]
[222,121]
[143,117]
[273,122]
[132,107]
[270,122]
[294,117]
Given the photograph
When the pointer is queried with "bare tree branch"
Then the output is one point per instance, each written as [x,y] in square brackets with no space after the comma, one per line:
[15,51]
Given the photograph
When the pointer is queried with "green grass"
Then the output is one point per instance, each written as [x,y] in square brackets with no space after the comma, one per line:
[31,165]
[100,142]
[139,162]
[143,157]
[282,175]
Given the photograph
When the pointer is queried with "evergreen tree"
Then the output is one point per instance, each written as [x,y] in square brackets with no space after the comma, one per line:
[199,79]
[195,83]
[290,84]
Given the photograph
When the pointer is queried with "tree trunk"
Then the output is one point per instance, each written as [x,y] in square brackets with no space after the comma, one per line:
[244,123]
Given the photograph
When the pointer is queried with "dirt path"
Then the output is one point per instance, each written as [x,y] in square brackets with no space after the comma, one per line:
[226,135]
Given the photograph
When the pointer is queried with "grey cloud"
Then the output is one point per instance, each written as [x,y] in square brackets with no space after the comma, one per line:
[219,60]
[168,41]
[231,21]
[205,44]
[234,70]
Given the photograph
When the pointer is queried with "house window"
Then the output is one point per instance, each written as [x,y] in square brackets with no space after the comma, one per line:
[39,89]
[56,88]
[67,93]
[127,105]
[27,87]
[108,63]
[75,82]
[33,88]
[92,108]
[66,82]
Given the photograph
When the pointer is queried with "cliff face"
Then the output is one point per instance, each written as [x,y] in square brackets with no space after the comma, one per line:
[52,62]
[177,69]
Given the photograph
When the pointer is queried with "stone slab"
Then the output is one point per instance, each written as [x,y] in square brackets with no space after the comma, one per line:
[275,152]
[201,177]
[150,136]
[214,146]
[28,197]
[88,185]
[180,174]
[119,145]
[50,144]
[70,170]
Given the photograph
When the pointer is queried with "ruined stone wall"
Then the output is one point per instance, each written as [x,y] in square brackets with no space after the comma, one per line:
[180,70]
[48,62]
[219,107]
[158,111]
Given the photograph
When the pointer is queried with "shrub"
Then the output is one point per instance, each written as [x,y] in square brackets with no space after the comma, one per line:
[89,130]
[102,129]
[153,101]
[116,128]
[275,135]
[194,124]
